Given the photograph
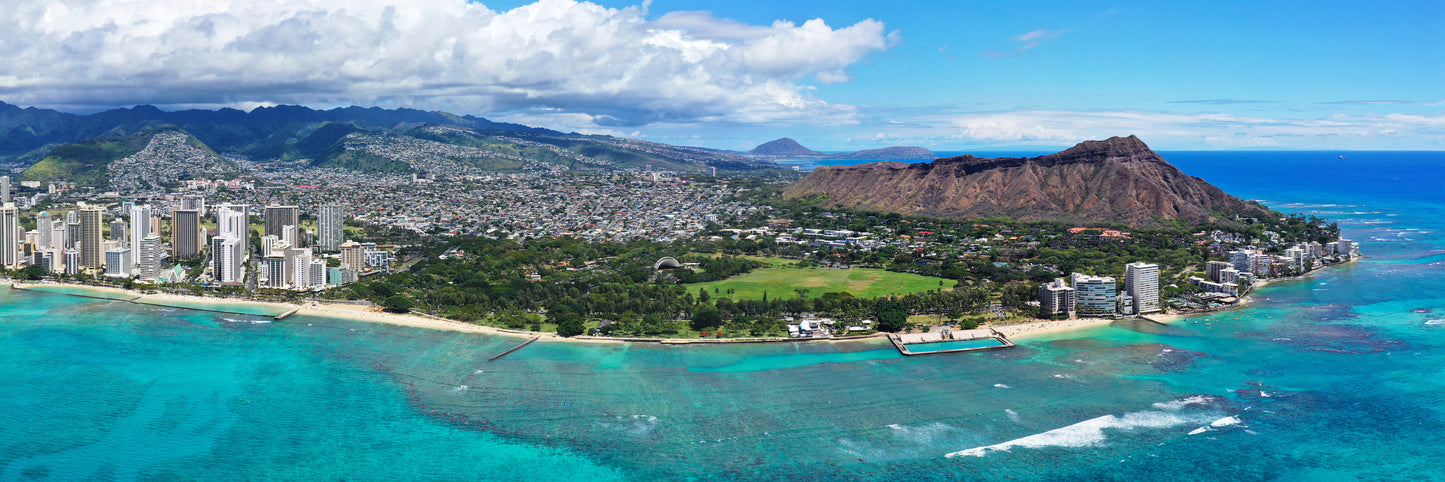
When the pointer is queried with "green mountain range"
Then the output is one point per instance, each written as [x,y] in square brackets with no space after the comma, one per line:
[60,146]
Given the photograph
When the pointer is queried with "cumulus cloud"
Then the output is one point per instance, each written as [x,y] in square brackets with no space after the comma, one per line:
[549,57]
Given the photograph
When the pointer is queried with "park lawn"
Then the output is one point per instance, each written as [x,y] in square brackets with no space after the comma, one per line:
[781,283]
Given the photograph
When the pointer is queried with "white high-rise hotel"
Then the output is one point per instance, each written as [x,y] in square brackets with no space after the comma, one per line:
[140,227]
[228,248]
[1141,281]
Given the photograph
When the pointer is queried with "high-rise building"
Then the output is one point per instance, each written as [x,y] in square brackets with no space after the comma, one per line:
[1055,298]
[91,229]
[340,276]
[1243,260]
[140,225]
[193,202]
[279,216]
[329,222]
[118,262]
[318,273]
[47,259]
[353,255]
[1228,275]
[185,233]
[1215,270]
[151,256]
[227,254]
[1094,295]
[1345,247]
[289,235]
[229,247]
[1295,257]
[4,189]
[233,220]
[119,231]
[43,231]
[72,229]
[275,269]
[268,246]
[72,261]
[10,236]
[59,236]
[1141,281]
[298,267]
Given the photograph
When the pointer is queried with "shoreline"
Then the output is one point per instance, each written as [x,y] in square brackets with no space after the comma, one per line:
[373,314]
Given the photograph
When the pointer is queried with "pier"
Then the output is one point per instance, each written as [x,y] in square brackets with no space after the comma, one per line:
[515,348]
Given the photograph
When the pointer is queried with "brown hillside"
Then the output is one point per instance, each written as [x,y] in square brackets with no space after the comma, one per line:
[1117,180]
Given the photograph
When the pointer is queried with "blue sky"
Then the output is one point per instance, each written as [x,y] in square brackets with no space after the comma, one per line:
[835,75]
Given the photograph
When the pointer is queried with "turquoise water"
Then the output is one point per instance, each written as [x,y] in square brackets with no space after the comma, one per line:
[953,345]
[1339,376]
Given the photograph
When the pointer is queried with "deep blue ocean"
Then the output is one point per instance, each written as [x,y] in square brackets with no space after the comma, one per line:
[1338,376]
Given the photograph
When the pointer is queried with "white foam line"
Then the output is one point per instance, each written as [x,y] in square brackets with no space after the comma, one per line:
[1088,433]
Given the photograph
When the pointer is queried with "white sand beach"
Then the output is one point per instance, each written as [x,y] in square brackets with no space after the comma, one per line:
[1017,331]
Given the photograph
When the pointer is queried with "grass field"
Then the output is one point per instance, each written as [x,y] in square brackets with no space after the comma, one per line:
[780,282]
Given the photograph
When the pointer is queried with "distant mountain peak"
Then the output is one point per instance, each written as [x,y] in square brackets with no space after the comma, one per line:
[783,147]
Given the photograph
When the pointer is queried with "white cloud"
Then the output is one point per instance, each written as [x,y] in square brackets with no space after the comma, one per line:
[1204,131]
[442,54]
[1027,41]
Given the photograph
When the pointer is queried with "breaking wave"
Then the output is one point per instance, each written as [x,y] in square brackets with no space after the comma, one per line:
[1090,433]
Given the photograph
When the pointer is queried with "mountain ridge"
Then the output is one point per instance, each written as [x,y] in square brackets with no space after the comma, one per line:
[327,138]
[1115,181]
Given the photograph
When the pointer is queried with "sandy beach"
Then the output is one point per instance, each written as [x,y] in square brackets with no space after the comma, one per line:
[1017,331]
[374,314]
[366,313]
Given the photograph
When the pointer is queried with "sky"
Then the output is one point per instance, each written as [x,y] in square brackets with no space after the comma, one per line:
[835,75]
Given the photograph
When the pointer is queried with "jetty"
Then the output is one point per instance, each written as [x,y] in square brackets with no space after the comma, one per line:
[515,348]
[287,314]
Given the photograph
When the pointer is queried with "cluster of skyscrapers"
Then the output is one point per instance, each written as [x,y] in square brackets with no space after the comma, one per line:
[131,244]
[1099,295]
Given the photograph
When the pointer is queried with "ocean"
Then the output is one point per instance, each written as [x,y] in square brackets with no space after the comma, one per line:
[1337,376]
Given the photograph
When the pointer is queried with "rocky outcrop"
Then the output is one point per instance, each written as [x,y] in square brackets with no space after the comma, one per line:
[1117,181]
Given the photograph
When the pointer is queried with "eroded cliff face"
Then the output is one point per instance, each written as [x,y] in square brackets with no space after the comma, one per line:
[1117,180]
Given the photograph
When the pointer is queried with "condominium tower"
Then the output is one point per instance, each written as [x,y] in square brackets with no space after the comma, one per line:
[329,226]
[1094,295]
[1141,281]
